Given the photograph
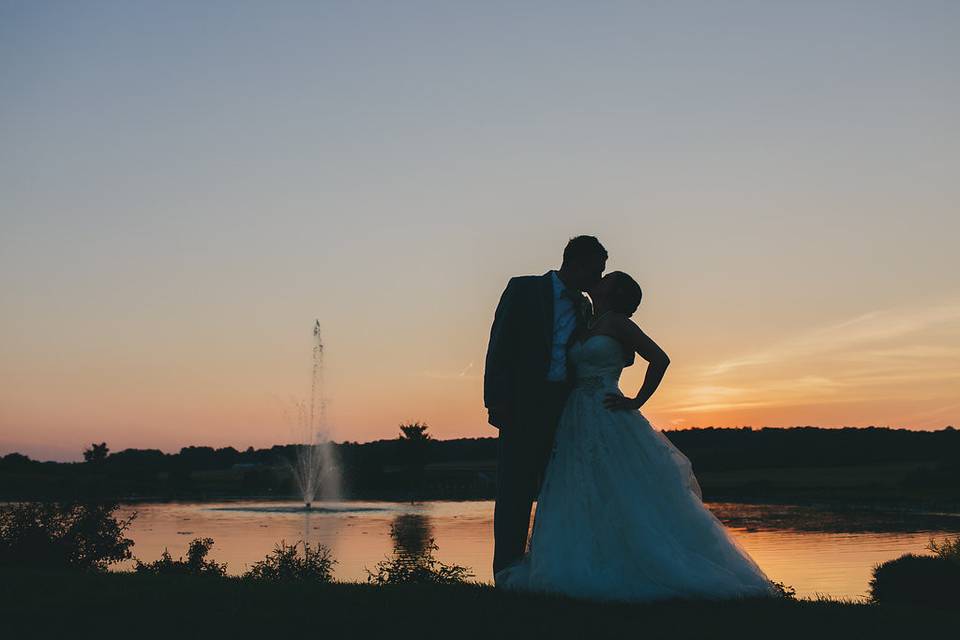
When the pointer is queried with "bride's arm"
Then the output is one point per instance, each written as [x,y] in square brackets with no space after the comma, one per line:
[634,338]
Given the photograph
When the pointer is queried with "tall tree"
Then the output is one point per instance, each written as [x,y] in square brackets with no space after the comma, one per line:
[414,441]
[96,452]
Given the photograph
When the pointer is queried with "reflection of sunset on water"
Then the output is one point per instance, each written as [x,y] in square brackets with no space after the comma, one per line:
[813,562]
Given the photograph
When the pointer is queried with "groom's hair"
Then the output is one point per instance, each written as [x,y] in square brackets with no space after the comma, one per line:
[583,249]
[626,294]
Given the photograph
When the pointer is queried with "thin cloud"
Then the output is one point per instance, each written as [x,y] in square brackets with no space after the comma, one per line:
[876,356]
[706,398]
[876,326]
[463,374]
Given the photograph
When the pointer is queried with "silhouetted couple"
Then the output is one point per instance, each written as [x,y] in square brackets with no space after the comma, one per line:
[619,512]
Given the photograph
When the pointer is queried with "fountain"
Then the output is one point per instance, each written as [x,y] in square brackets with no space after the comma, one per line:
[314,463]
[314,468]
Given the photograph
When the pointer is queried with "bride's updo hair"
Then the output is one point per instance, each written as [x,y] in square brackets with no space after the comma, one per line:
[625,294]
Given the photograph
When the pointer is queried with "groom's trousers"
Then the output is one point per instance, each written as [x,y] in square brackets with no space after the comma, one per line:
[523,450]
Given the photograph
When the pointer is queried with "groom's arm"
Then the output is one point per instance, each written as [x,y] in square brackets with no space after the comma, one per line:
[498,371]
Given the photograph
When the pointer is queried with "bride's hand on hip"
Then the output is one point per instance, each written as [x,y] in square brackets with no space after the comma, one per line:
[617,402]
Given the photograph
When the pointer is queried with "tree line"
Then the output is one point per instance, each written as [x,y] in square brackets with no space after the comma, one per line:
[461,467]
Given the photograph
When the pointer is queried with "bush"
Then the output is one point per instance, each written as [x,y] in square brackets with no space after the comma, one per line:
[784,590]
[948,549]
[916,580]
[196,563]
[63,535]
[425,569]
[285,564]
[413,560]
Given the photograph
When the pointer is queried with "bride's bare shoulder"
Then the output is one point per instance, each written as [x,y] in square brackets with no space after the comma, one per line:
[622,325]
[623,330]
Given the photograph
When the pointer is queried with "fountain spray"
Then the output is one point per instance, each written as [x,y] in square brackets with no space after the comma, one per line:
[315,468]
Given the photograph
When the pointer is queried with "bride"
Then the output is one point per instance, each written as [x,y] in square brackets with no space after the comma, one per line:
[619,515]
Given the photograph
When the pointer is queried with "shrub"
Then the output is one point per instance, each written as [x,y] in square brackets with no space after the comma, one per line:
[913,580]
[948,549]
[57,535]
[285,564]
[196,563]
[425,569]
[784,590]
[413,560]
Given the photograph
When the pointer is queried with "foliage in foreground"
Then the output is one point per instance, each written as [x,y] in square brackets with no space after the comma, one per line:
[63,535]
[425,569]
[948,549]
[785,590]
[285,564]
[920,580]
[224,608]
[196,563]
[413,560]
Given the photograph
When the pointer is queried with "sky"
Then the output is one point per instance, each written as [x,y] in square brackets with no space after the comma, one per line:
[188,186]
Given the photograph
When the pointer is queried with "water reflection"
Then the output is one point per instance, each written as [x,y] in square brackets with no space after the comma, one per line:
[414,558]
[834,559]
[412,535]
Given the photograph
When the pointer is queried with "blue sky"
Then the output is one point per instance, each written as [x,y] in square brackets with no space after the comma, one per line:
[188,185]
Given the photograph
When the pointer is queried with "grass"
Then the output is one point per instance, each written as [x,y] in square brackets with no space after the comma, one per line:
[61,604]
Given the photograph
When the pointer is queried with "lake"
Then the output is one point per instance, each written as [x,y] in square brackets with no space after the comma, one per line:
[814,549]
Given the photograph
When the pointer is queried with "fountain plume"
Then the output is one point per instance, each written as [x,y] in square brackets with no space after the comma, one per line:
[315,468]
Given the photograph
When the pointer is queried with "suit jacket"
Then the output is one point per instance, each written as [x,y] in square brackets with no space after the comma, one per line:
[519,351]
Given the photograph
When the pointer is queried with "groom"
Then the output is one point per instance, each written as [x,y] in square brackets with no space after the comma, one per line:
[525,382]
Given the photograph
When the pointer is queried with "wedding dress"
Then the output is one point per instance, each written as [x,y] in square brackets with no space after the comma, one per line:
[620,515]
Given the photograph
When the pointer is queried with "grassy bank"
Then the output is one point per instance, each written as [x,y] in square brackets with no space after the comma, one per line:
[47,604]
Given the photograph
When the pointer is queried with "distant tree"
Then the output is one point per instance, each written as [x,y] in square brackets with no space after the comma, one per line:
[96,452]
[15,459]
[198,458]
[414,432]
[414,441]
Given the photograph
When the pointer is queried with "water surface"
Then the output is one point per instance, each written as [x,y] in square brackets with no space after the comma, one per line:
[816,550]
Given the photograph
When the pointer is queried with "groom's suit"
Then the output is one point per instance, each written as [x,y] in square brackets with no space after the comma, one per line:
[525,386]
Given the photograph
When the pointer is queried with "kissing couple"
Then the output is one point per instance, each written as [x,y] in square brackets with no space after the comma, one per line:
[619,512]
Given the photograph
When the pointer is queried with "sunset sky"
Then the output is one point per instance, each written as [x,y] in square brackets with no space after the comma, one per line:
[186,186]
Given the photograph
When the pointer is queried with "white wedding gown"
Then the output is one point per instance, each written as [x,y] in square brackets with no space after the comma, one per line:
[620,515]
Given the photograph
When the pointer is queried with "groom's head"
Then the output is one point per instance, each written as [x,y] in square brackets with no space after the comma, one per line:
[584,260]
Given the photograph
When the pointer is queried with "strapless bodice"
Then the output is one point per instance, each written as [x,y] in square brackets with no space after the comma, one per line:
[598,361]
